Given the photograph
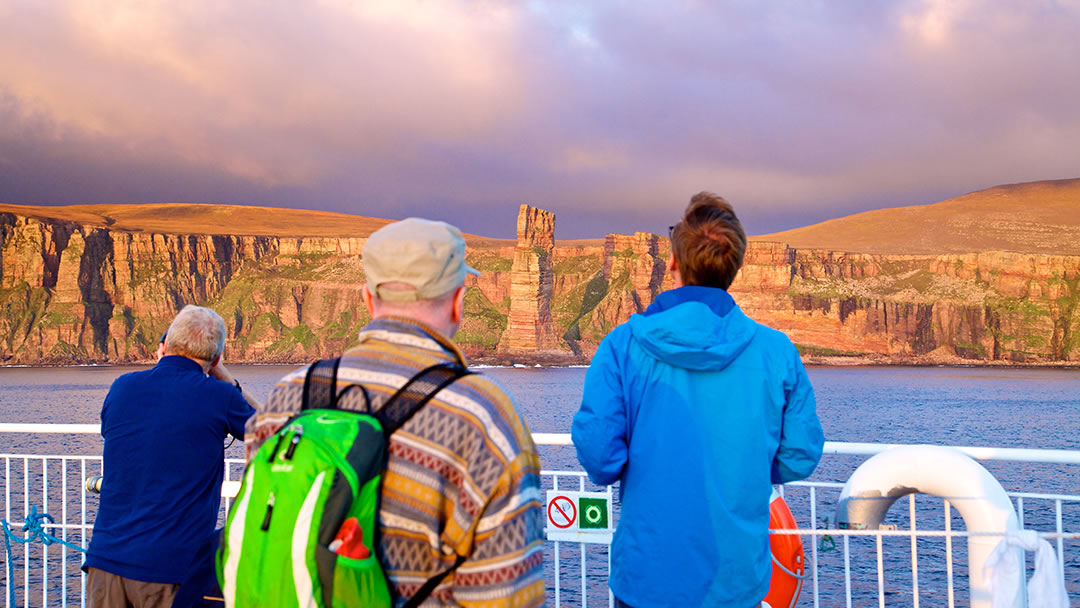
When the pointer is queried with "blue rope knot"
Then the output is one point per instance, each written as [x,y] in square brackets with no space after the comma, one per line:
[33,529]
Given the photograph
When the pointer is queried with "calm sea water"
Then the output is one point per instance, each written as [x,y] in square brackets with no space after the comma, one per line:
[946,406]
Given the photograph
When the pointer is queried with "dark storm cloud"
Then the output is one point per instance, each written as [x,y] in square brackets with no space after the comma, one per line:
[610,114]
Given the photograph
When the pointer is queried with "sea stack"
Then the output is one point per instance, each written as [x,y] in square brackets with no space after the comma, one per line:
[529,328]
[637,262]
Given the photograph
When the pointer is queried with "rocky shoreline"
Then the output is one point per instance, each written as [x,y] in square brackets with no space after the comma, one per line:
[883,361]
[557,360]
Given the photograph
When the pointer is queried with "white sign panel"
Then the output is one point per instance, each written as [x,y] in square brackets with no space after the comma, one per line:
[581,517]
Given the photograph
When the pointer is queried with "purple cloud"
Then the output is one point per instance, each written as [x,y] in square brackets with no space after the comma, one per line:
[609,114]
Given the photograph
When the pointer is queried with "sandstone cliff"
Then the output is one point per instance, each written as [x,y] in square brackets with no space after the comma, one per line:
[74,293]
[992,306]
[85,291]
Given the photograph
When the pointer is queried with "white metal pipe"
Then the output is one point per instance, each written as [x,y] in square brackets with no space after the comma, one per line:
[73,429]
[914,554]
[978,453]
[939,471]
[948,554]
[831,447]
[552,438]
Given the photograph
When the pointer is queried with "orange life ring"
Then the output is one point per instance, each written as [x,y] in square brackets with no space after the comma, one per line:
[787,554]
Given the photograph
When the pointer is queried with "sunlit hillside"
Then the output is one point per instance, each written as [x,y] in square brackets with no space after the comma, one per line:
[1034,217]
[181,218]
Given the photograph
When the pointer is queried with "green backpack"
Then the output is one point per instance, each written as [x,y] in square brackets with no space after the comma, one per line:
[323,467]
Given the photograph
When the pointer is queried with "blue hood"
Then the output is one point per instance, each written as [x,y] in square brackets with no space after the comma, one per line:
[693,327]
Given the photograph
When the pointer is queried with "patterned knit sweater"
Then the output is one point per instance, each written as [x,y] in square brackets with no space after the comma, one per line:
[462,475]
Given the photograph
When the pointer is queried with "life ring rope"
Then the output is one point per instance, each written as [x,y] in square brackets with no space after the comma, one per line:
[801,577]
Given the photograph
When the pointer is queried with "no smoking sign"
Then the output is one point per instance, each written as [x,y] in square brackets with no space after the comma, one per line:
[561,512]
[579,516]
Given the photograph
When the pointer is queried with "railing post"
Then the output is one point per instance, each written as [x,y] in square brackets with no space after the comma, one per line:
[914,552]
[1060,540]
[880,575]
[9,583]
[63,550]
[44,548]
[584,583]
[82,532]
[948,553]
[814,542]
[558,586]
[847,571]
[26,548]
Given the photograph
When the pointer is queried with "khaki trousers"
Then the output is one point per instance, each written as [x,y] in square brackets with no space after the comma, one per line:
[107,590]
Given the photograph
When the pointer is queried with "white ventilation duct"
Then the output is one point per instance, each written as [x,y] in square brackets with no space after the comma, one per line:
[938,471]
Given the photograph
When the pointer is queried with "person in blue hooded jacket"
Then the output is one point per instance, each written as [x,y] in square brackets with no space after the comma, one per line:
[696,410]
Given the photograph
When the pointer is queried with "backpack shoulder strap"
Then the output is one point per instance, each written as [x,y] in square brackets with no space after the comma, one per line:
[423,592]
[416,392]
[320,385]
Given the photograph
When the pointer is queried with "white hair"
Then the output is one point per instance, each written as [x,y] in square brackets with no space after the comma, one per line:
[421,310]
[196,333]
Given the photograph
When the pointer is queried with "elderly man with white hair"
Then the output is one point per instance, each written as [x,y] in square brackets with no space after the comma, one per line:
[164,431]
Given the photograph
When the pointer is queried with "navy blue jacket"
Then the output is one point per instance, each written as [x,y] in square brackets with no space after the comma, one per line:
[164,431]
[696,410]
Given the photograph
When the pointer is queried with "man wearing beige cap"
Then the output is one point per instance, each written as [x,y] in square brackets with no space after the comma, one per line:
[462,476]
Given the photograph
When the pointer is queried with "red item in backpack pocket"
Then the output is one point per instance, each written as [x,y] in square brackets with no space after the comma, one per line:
[349,541]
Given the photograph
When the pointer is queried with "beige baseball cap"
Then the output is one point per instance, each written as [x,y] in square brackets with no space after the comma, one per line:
[425,254]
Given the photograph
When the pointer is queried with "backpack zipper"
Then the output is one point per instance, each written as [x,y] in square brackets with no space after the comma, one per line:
[298,434]
[273,453]
[269,511]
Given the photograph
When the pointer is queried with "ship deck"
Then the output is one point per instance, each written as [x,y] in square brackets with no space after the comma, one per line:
[917,558]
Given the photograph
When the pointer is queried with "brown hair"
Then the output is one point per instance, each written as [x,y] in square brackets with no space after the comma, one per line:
[709,242]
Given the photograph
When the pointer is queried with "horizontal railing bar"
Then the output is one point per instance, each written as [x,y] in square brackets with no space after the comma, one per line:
[36,427]
[817,484]
[908,533]
[551,472]
[831,447]
[95,429]
[552,438]
[978,453]
[20,525]
[1037,495]
[71,457]
[1044,496]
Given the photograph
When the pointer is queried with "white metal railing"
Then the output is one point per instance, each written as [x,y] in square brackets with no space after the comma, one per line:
[867,567]
[831,447]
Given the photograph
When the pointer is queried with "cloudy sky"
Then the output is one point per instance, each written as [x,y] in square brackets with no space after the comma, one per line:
[611,114]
